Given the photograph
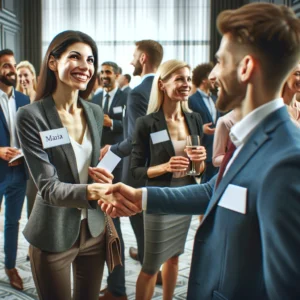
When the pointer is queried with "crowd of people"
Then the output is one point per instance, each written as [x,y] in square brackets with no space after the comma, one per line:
[219,140]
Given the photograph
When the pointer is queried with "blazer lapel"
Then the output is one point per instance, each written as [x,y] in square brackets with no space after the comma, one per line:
[257,139]
[160,125]
[114,101]
[191,123]
[92,124]
[55,123]
[2,118]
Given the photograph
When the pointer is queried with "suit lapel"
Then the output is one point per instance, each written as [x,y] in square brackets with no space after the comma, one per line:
[114,101]
[55,123]
[92,125]
[160,125]
[256,140]
[2,118]
[191,123]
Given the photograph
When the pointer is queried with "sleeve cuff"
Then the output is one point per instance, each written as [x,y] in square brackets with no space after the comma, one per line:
[144,198]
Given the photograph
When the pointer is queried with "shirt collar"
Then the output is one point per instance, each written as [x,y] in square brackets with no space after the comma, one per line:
[203,94]
[146,76]
[4,95]
[241,131]
[111,93]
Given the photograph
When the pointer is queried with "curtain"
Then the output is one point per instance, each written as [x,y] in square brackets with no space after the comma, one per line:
[181,26]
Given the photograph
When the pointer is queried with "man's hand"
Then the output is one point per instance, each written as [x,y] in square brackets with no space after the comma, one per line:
[107,121]
[121,200]
[100,175]
[207,129]
[103,151]
[8,153]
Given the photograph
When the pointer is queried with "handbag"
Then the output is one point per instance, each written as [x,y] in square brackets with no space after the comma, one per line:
[113,245]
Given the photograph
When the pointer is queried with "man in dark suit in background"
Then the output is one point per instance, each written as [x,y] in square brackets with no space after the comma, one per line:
[124,81]
[147,57]
[203,102]
[12,175]
[247,246]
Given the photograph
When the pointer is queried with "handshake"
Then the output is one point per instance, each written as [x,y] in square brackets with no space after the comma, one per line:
[116,200]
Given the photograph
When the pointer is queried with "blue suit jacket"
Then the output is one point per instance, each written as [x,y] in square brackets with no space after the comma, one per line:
[110,137]
[196,104]
[253,255]
[137,104]
[21,100]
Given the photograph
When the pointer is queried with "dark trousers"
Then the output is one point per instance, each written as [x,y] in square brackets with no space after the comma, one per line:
[13,189]
[210,172]
[52,271]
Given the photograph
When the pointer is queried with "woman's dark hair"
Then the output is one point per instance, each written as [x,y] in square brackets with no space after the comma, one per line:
[47,80]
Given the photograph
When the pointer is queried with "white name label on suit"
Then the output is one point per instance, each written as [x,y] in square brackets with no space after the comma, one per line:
[117,110]
[159,136]
[55,137]
[234,198]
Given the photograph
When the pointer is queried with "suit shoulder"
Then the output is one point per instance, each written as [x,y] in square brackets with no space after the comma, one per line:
[22,97]
[97,98]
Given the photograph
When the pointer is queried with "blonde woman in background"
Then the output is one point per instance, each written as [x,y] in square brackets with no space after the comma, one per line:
[289,92]
[26,82]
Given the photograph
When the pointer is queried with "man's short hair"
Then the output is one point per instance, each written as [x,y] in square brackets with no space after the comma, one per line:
[128,77]
[269,32]
[113,65]
[201,72]
[6,52]
[153,49]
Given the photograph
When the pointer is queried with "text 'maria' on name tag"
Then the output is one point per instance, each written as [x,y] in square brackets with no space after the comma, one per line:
[55,137]
[159,136]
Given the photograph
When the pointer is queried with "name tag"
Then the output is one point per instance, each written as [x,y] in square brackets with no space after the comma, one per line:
[117,110]
[55,137]
[234,198]
[159,137]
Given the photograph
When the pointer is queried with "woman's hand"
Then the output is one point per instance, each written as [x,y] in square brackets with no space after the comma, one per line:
[196,155]
[177,164]
[100,175]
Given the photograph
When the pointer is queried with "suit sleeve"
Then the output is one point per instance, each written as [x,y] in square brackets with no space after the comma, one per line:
[136,107]
[186,200]
[44,174]
[141,150]
[278,214]
[118,124]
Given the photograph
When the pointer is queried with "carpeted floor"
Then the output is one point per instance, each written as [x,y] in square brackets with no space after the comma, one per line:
[132,267]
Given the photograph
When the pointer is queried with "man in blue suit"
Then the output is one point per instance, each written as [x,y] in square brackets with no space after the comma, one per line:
[247,246]
[203,102]
[12,175]
[147,57]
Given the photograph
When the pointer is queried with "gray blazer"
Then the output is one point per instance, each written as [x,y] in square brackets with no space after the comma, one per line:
[54,223]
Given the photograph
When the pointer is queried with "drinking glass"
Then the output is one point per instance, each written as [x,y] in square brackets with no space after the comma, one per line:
[192,142]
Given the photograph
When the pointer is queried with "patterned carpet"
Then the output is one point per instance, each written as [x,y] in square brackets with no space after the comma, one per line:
[132,267]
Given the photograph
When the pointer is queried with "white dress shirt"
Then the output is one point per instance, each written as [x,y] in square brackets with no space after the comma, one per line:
[9,109]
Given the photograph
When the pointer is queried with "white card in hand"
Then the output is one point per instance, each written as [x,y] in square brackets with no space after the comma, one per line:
[117,110]
[159,136]
[109,161]
[234,198]
[55,137]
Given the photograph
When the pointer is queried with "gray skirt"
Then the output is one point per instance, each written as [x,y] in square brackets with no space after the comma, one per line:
[165,235]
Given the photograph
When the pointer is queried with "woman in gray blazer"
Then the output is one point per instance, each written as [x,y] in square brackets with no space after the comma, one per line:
[60,136]
[159,156]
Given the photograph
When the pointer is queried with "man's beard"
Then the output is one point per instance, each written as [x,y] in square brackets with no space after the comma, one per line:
[138,69]
[7,80]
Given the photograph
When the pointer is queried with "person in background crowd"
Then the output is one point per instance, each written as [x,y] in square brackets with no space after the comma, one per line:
[12,176]
[124,81]
[165,163]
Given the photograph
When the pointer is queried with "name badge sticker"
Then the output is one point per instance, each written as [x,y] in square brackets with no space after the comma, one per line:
[117,110]
[55,137]
[159,136]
